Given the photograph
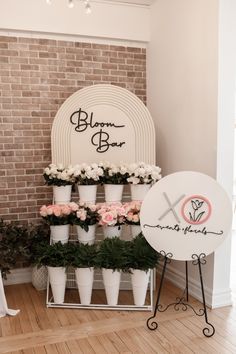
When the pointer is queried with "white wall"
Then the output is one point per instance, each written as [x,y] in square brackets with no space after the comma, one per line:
[188,75]
[182,83]
[107,20]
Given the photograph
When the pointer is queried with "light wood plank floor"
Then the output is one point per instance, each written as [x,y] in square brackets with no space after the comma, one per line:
[37,329]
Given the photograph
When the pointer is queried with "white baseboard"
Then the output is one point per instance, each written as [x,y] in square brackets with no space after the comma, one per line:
[213,300]
[18,276]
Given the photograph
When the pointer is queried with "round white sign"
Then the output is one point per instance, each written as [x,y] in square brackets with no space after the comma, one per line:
[186,213]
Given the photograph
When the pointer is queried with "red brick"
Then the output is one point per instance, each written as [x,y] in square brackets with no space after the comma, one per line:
[37,75]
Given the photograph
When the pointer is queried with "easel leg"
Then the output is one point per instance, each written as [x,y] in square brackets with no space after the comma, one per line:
[208,332]
[186,279]
[154,325]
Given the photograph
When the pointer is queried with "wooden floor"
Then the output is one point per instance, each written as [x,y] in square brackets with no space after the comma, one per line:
[37,329]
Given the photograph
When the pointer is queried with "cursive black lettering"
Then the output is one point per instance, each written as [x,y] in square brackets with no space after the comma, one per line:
[185,230]
[101,140]
[82,120]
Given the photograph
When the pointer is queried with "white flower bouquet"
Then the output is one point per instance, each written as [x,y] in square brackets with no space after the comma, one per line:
[114,173]
[88,174]
[142,173]
[58,175]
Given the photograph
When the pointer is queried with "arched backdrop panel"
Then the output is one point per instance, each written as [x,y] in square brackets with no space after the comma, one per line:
[103,122]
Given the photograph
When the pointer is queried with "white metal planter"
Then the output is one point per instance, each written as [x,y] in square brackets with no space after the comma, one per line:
[138,191]
[139,279]
[135,230]
[60,233]
[113,192]
[112,231]
[62,194]
[84,280]
[111,280]
[87,193]
[86,237]
[57,278]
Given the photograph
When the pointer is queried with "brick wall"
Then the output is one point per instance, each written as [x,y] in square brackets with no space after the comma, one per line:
[36,76]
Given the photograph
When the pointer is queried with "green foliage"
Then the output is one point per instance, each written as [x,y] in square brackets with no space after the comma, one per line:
[38,237]
[112,254]
[54,255]
[141,255]
[82,255]
[13,245]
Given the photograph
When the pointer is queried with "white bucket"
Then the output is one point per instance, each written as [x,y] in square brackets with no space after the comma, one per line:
[87,193]
[112,231]
[113,192]
[138,191]
[86,237]
[111,280]
[57,278]
[84,280]
[139,279]
[62,194]
[60,233]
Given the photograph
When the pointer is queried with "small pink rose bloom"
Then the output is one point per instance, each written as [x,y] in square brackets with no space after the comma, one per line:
[136,218]
[108,218]
[65,209]
[57,211]
[73,206]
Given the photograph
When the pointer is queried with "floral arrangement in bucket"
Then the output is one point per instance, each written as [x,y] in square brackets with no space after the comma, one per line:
[141,177]
[112,258]
[83,259]
[132,210]
[111,216]
[58,216]
[115,176]
[85,217]
[59,175]
[62,179]
[142,173]
[87,177]
[88,174]
[141,259]
[56,258]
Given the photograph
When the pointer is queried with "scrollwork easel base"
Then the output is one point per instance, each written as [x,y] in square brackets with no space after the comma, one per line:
[182,302]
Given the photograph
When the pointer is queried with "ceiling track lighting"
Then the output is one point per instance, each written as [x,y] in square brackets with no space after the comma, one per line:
[71,4]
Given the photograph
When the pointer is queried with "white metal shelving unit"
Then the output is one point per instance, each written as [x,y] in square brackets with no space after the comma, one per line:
[104,105]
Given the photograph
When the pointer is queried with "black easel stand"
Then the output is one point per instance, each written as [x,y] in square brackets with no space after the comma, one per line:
[198,260]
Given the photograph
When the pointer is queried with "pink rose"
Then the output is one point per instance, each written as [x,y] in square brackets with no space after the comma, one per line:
[49,209]
[73,206]
[81,214]
[43,211]
[57,210]
[65,209]
[108,219]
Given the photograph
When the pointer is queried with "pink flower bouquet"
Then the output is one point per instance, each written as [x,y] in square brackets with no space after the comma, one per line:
[132,210]
[58,214]
[113,214]
[85,215]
